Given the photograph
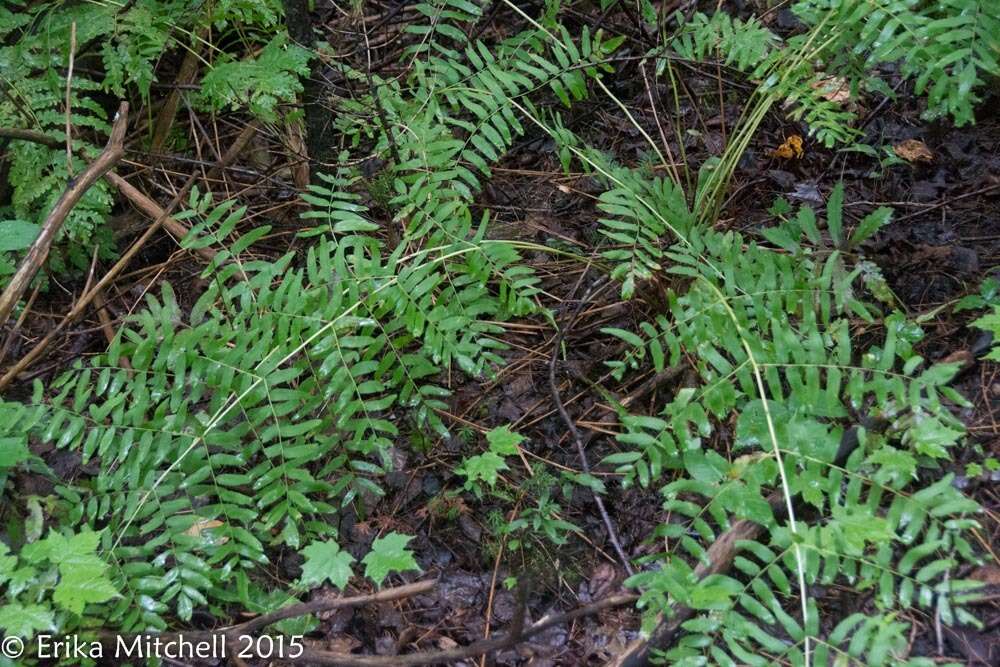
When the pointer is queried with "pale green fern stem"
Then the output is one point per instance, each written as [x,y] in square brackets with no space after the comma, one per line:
[776,448]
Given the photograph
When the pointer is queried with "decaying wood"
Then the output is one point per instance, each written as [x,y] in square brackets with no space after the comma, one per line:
[168,110]
[39,250]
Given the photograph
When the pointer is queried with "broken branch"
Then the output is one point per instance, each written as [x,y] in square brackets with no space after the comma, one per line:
[84,301]
[39,250]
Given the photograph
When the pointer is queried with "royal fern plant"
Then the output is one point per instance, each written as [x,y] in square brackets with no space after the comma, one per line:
[244,424]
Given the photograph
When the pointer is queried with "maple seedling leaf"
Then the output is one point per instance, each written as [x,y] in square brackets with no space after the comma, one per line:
[7,563]
[503,441]
[83,575]
[389,554]
[19,620]
[483,467]
[80,586]
[325,561]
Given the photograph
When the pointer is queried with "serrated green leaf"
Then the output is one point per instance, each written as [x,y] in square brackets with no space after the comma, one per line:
[324,561]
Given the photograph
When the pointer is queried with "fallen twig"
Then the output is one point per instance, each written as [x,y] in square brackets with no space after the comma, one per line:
[292,611]
[301,609]
[84,301]
[578,441]
[515,635]
[39,250]
[9,340]
[30,135]
[108,328]
[154,211]
[69,100]
[168,109]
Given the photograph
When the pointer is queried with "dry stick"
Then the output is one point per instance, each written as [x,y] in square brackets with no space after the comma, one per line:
[571,425]
[514,636]
[292,611]
[107,327]
[303,608]
[69,92]
[39,250]
[17,325]
[719,559]
[155,211]
[81,305]
[168,111]
[952,200]
[18,134]
[483,646]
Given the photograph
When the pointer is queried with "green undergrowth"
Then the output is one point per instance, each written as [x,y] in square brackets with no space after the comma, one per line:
[118,47]
[244,425]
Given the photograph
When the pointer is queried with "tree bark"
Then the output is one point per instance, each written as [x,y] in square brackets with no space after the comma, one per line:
[318,129]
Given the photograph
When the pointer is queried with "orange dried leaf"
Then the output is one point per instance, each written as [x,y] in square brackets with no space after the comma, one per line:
[914,150]
[198,527]
[792,148]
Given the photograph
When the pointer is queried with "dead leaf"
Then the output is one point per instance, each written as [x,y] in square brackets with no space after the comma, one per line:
[836,89]
[914,150]
[792,148]
[601,580]
[989,574]
[206,524]
[963,358]
[343,644]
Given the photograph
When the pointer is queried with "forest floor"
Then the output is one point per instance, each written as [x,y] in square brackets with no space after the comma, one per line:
[943,243]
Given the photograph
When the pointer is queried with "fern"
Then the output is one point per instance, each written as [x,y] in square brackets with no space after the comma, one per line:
[341,343]
[874,531]
[783,70]
[38,174]
[949,49]
[141,37]
[244,424]
[260,84]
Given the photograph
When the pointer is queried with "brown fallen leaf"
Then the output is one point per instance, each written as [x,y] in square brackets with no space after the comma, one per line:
[989,574]
[206,524]
[913,150]
[343,644]
[601,580]
[836,89]
[962,357]
[792,148]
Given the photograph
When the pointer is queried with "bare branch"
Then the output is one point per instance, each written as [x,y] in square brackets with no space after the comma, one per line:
[39,250]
